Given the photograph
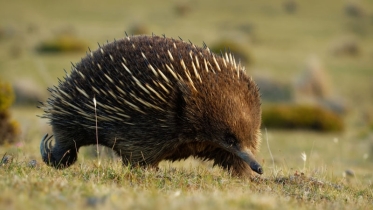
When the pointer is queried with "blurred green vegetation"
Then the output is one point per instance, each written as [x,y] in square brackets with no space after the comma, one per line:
[6,96]
[239,52]
[138,29]
[63,43]
[308,117]
[9,129]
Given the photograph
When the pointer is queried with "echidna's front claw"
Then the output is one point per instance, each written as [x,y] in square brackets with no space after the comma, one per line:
[45,147]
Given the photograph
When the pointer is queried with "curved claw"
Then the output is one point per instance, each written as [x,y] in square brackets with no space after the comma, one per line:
[45,148]
[56,155]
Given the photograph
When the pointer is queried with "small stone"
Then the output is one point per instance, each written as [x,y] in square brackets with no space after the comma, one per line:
[6,159]
[32,164]
[95,201]
[348,173]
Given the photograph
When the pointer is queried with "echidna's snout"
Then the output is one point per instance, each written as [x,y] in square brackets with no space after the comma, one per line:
[249,158]
[255,166]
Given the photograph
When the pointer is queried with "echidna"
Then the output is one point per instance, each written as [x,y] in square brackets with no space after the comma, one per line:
[157,99]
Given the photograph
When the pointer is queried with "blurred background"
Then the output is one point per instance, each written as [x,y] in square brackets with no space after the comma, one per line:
[313,61]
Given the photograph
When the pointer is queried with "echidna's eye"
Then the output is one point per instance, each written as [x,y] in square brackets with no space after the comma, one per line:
[230,139]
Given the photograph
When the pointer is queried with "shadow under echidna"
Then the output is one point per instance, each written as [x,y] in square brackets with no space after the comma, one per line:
[157,99]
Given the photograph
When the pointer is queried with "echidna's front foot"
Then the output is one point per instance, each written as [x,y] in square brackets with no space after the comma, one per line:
[56,156]
[45,149]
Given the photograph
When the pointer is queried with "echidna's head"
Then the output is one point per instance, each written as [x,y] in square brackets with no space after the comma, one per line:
[226,113]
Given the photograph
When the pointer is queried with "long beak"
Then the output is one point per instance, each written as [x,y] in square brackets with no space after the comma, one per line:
[249,158]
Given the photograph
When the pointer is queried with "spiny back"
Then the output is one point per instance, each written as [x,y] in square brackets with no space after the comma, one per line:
[136,76]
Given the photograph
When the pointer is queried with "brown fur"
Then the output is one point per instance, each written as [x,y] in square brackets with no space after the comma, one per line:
[148,114]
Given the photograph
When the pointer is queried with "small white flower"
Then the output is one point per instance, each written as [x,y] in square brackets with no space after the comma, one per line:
[177,193]
[303,156]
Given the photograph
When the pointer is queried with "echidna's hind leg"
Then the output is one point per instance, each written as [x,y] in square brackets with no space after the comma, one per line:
[56,155]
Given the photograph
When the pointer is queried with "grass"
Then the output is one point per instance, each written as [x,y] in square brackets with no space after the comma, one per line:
[289,181]
[112,186]
[281,44]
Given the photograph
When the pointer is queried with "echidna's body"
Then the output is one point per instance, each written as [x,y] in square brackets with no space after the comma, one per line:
[157,99]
